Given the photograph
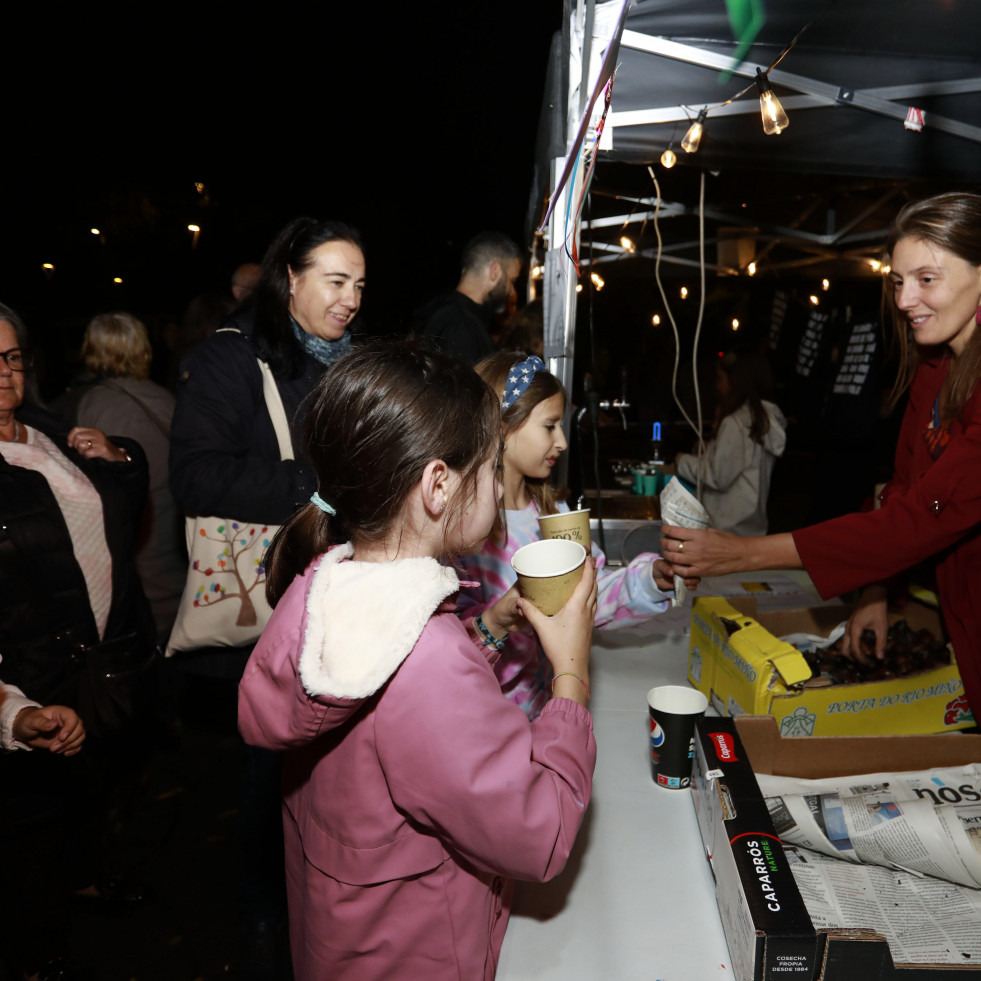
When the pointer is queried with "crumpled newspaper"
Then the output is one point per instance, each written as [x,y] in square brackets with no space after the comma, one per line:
[681,508]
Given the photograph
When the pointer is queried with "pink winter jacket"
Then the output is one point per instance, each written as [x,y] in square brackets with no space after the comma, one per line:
[414,792]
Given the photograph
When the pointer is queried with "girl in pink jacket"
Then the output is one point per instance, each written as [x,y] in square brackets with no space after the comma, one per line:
[414,793]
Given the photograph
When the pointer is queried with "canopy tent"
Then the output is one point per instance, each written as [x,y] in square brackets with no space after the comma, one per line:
[822,190]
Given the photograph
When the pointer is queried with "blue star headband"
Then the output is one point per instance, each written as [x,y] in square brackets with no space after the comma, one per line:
[519,378]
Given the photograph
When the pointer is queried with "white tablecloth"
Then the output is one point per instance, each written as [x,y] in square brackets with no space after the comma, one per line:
[637,899]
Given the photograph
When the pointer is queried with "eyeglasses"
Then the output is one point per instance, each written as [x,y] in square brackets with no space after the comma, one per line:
[17,360]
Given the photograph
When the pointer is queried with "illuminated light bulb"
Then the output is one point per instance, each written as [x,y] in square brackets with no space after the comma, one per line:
[887,269]
[597,281]
[875,265]
[95,231]
[117,279]
[825,285]
[656,320]
[627,245]
[537,272]
[735,324]
[199,187]
[694,135]
[47,265]
[813,299]
[774,118]
[194,228]
[751,269]
[684,292]
[578,287]
[668,159]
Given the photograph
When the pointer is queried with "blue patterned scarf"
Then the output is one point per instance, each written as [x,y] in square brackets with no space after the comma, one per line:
[326,352]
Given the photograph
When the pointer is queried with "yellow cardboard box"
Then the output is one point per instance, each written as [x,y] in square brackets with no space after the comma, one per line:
[738,660]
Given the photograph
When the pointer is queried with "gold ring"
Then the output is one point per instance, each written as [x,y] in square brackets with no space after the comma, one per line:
[681,546]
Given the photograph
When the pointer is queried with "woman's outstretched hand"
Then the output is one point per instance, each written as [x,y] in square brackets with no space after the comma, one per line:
[709,552]
[566,637]
[691,552]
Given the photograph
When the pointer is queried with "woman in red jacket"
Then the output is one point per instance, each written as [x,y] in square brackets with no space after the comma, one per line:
[932,506]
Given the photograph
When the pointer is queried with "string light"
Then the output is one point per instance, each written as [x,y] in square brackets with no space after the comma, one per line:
[684,292]
[117,279]
[825,285]
[537,272]
[578,287]
[95,231]
[627,244]
[735,323]
[669,158]
[813,299]
[751,269]
[656,320]
[875,265]
[694,135]
[774,118]
[597,281]
[49,266]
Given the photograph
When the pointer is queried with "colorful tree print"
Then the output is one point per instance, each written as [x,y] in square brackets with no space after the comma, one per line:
[241,556]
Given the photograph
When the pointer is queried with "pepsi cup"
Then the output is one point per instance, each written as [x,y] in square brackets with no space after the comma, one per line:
[672,711]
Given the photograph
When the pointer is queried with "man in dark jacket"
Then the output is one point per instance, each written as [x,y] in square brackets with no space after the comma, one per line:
[459,322]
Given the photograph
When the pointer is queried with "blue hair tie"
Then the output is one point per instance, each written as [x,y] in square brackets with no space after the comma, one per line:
[519,378]
[315,498]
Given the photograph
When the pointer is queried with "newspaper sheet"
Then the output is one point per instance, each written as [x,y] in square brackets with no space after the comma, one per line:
[897,853]
[683,510]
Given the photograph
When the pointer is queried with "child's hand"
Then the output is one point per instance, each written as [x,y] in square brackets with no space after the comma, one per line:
[54,727]
[664,578]
[504,616]
[567,636]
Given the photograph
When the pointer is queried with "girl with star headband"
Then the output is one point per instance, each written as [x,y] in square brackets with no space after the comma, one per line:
[532,407]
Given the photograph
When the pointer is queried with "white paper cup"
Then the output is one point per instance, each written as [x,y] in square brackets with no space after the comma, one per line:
[549,571]
[672,711]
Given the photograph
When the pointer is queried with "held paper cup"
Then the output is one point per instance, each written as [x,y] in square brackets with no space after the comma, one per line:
[673,710]
[549,571]
[573,525]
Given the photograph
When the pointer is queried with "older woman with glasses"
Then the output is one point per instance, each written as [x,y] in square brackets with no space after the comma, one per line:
[70,503]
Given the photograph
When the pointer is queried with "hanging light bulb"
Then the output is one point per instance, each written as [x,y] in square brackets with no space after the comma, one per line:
[751,269]
[774,118]
[627,244]
[656,320]
[597,281]
[669,158]
[694,135]
[684,292]
[825,285]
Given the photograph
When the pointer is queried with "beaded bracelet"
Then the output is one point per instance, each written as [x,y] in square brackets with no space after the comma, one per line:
[489,639]
[574,675]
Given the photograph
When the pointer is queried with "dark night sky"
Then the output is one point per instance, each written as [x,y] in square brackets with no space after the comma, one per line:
[418,127]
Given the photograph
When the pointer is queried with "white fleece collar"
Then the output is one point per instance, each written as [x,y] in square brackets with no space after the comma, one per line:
[363,618]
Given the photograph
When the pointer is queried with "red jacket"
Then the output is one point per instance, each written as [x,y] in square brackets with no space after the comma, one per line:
[930,508]
[414,792]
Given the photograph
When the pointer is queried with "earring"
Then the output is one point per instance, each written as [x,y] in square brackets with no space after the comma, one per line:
[442,507]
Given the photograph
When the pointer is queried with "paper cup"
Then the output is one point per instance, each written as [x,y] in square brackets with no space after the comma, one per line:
[672,710]
[549,571]
[572,525]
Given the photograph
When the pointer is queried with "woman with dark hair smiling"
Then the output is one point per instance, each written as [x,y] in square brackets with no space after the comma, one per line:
[225,460]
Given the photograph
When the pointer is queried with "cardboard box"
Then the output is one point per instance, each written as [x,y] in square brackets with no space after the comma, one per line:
[768,930]
[739,662]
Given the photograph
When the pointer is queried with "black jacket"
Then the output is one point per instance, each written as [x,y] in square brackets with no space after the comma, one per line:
[44,603]
[224,457]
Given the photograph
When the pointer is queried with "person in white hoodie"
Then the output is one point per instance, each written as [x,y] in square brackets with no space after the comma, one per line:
[750,434]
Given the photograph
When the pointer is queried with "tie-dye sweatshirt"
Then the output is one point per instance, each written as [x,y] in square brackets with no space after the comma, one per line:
[624,593]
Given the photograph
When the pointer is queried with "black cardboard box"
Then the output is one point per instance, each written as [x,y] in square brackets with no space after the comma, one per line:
[768,930]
